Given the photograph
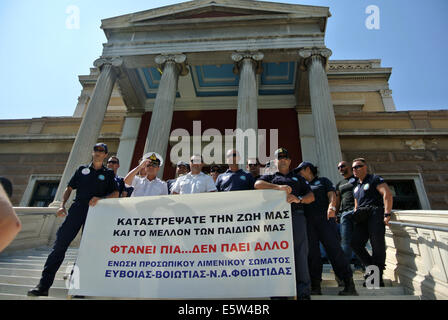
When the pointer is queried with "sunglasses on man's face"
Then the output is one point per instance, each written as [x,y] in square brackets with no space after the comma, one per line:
[342,166]
[154,165]
[99,150]
[357,167]
[113,162]
[282,157]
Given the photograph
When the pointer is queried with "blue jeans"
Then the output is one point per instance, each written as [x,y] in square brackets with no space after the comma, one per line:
[346,229]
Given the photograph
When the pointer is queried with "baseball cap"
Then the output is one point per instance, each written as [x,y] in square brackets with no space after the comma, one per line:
[282,152]
[303,165]
[101,145]
[182,163]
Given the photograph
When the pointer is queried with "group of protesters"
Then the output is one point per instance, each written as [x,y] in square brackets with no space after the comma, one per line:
[360,202]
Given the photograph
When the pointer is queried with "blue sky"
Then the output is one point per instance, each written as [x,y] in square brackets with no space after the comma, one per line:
[42,58]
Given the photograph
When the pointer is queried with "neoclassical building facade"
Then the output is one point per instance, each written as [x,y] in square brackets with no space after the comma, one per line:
[231,64]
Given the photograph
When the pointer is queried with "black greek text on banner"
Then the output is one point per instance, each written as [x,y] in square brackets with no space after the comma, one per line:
[209,245]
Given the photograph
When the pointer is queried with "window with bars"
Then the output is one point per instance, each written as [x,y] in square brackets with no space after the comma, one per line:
[405,194]
[44,193]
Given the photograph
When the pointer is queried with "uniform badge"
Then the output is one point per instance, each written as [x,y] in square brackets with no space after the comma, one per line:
[85,171]
[295,179]
[101,177]
[317,183]
[356,189]
[366,187]
[243,177]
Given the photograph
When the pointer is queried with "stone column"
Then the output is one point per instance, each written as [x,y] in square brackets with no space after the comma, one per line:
[328,148]
[128,140]
[162,114]
[91,124]
[247,64]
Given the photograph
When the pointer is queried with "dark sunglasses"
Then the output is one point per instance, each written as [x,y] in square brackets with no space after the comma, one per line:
[342,166]
[357,167]
[252,165]
[99,150]
[113,162]
[282,157]
[155,165]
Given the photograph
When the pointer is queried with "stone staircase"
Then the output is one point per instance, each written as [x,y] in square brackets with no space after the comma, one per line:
[20,271]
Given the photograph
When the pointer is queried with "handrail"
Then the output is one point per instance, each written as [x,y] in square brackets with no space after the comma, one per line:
[420,226]
[43,211]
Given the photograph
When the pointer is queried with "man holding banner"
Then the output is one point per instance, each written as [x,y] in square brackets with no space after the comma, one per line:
[298,192]
[92,183]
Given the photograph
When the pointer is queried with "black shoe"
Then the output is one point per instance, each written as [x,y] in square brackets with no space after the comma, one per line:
[339,281]
[349,288]
[38,292]
[315,287]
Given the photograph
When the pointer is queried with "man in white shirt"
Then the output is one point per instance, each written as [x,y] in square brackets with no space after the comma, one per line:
[195,181]
[148,185]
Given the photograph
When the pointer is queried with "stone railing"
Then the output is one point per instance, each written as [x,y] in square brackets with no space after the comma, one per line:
[417,246]
[417,252]
[39,227]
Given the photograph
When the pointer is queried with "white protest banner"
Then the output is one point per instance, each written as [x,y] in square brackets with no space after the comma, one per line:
[209,245]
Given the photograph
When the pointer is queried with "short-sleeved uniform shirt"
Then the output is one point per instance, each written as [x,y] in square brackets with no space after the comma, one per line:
[320,187]
[90,183]
[298,184]
[366,193]
[345,188]
[235,180]
[120,185]
[193,183]
[144,187]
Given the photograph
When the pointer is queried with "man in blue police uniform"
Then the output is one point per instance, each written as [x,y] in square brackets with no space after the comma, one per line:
[234,178]
[114,163]
[321,227]
[298,192]
[92,183]
[373,206]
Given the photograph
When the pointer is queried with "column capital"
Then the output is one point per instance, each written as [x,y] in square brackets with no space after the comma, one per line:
[179,59]
[254,56]
[114,62]
[310,54]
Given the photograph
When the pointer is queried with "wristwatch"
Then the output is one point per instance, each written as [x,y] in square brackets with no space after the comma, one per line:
[300,199]
[387,215]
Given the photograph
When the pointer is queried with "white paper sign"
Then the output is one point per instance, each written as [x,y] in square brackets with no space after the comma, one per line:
[210,245]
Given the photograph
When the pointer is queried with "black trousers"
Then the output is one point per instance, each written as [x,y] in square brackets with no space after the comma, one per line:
[374,230]
[75,219]
[325,231]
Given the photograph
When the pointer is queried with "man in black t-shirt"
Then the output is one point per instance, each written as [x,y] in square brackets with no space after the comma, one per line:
[298,192]
[371,192]
[92,183]
[345,203]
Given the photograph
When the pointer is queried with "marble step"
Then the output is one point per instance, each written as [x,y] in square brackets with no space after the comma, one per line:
[56,292]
